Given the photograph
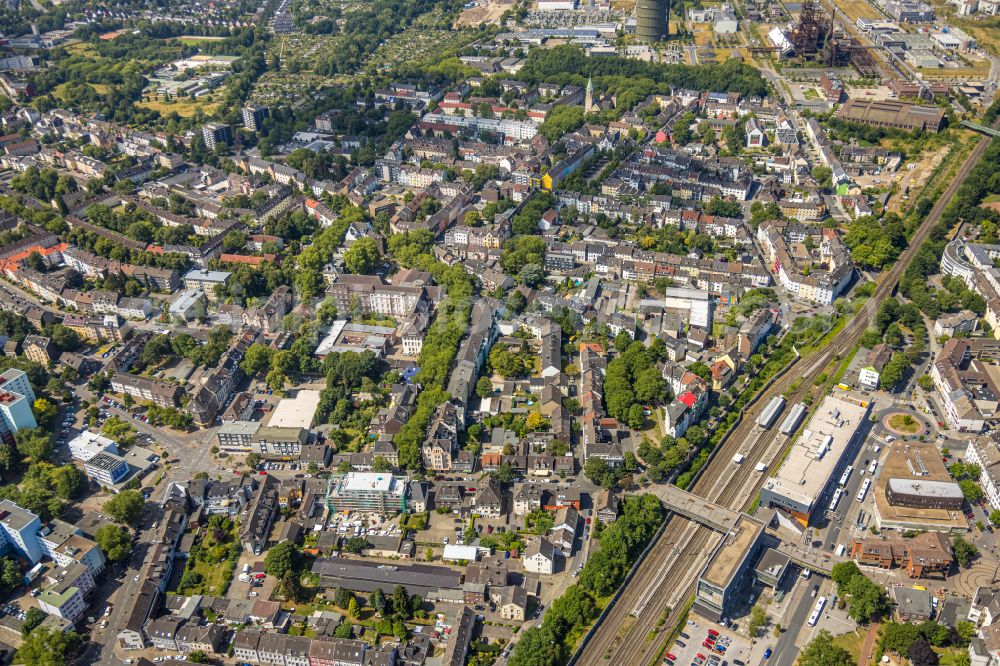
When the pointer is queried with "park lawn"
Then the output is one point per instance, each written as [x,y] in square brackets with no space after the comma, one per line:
[850,642]
[184,107]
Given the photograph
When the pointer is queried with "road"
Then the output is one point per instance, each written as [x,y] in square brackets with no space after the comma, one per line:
[622,638]
[120,584]
[801,605]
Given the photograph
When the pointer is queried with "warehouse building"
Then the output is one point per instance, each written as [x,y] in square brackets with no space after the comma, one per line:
[364,576]
[892,113]
[796,488]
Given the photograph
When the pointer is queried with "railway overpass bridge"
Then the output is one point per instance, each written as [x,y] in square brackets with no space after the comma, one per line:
[721,519]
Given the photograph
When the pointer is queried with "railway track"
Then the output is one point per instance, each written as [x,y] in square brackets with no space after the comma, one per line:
[625,636]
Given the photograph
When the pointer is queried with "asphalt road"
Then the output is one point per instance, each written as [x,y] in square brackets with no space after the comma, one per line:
[785,652]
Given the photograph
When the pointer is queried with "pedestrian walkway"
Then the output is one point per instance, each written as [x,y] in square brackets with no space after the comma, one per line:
[868,647]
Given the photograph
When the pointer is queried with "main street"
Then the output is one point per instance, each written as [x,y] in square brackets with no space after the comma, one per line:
[622,638]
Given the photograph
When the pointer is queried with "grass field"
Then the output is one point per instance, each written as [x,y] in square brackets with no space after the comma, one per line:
[850,642]
[184,108]
[80,48]
[60,90]
[194,40]
[899,422]
[702,34]
[857,9]
[986,32]
[978,70]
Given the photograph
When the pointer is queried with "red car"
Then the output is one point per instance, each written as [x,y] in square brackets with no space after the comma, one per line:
[706,644]
[701,656]
[713,633]
[671,657]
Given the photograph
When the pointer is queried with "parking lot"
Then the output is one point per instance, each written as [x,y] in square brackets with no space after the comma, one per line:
[704,643]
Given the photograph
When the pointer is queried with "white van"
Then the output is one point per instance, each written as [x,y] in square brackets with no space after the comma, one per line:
[840,550]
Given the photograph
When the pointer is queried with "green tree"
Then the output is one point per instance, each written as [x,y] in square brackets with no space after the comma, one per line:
[45,412]
[539,647]
[966,631]
[965,552]
[355,545]
[971,490]
[898,637]
[868,600]
[505,473]
[599,472]
[35,443]
[10,574]
[823,176]
[484,387]
[401,602]
[126,507]
[516,302]
[363,256]
[45,647]
[378,601]
[115,542]
[758,620]
[353,608]
[822,651]
[257,359]
[33,618]
[276,380]
[282,558]
[291,586]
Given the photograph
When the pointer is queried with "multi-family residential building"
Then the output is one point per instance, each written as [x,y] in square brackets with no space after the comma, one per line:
[819,280]
[65,596]
[16,400]
[367,492]
[963,385]
[19,529]
[159,393]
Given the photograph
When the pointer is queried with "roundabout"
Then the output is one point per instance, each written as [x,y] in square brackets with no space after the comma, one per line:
[905,424]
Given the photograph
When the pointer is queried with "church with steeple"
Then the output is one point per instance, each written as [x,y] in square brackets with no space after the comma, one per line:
[588,100]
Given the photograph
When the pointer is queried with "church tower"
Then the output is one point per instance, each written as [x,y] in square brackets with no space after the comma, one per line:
[588,100]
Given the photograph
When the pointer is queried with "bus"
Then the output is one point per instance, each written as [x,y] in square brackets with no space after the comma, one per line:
[871,468]
[817,611]
[863,490]
[846,475]
[836,499]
